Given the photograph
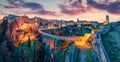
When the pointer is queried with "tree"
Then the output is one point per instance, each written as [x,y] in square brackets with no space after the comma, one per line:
[29,41]
[4,51]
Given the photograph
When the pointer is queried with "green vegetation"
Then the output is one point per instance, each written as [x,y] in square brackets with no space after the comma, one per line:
[111,48]
[62,44]
[63,54]
[24,46]
[70,30]
[78,55]
[111,42]
[82,31]
[90,57]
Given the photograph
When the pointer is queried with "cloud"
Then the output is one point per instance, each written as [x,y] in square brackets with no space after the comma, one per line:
[15,2]
[74,7]
[36,8]
[69,10]
[9,6]
[77,7]
[114,8]
[33,5]
[44,12]
[39,8]
[111,7]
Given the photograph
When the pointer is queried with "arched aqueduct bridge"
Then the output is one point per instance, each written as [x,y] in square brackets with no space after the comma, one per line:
[75,39]
[72,38]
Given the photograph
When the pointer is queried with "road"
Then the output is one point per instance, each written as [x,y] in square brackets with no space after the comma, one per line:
[72,38]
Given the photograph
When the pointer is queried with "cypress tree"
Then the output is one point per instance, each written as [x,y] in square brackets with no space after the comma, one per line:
[29,41]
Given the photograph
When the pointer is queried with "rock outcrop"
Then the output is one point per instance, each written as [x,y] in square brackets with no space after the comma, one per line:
[111,42]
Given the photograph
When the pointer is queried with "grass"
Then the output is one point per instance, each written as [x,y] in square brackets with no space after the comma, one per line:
[63,54]
[109,43]
[110,48]
[90,57]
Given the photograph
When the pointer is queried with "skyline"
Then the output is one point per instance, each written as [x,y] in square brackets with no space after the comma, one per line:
[90,10]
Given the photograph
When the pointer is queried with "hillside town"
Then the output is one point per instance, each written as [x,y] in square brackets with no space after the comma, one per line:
[25,39]
[59,30]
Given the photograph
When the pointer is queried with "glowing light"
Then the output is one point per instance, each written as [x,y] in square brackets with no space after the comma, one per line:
[48,27]
[25,26]
[81,43]
[36,24]
[24,38]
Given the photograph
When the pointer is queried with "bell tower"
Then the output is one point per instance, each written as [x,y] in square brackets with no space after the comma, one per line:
[107,19]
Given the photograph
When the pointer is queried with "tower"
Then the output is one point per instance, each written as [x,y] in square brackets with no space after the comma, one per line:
[77,19]
[107,19]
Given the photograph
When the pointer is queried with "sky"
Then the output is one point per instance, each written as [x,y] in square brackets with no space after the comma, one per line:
[90,10]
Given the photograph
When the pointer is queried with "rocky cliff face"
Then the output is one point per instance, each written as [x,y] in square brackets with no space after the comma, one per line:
[73,54]
[111,41]
[68,54]
[40,52]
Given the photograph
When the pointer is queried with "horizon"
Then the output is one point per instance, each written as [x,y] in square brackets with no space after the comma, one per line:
[90,10]
[75,20]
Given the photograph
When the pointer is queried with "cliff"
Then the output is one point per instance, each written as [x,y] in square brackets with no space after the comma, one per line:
[73,54]
[111,42]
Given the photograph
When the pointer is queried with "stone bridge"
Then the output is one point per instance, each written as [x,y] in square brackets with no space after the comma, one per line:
[52,40]
[95,38]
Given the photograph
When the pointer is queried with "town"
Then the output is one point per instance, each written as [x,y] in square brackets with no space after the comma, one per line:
[59,30]
[24,39]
